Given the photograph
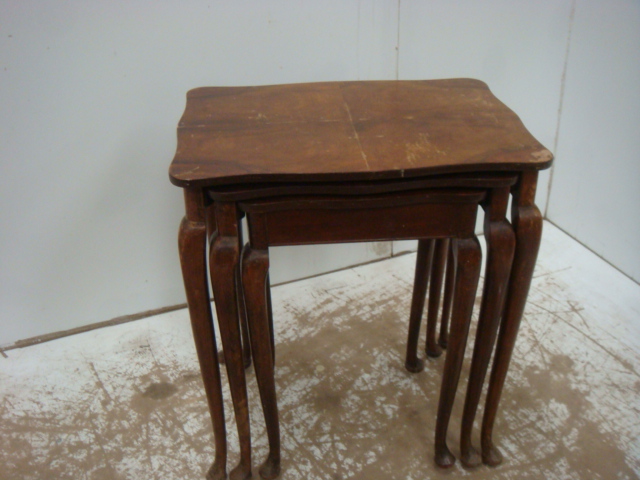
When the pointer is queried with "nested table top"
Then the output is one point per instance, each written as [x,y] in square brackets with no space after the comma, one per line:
[348,131]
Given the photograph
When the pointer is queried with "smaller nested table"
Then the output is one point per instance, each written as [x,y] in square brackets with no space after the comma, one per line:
[238,147]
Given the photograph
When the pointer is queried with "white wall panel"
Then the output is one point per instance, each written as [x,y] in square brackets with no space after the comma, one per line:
[90,95]
[516,47]
[595,191]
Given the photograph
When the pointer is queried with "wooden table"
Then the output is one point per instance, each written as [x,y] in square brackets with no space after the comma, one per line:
[287,139]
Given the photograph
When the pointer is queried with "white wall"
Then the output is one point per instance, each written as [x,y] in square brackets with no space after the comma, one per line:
[595,191]
[90,94]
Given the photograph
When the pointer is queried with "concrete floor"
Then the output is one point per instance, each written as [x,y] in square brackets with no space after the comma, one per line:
[127,402]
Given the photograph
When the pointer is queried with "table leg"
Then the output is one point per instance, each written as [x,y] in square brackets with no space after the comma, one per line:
[500,246]
[447,300]
[420,284]
[224,258]
[242,313]
[192,246]
[255,268]
[437,274]
[270,313]
[527,224]
[210,215]
[469,256]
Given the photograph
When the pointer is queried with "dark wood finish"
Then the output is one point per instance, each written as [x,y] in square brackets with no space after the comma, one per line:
[210,217]
[233,193]
[336,204]
[242,315]
[347,139]
[348,131]
[192,239]
[468,272]
[447,301]
[270,316]
[304,220]
[356,219]
[420,284]
[527,224]
[255,269]
[432,348]
[500,247]
[224,258]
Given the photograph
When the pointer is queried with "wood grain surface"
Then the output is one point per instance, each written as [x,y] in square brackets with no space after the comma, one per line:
[348,131]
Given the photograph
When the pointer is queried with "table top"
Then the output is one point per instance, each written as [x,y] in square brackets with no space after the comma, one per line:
[348,131]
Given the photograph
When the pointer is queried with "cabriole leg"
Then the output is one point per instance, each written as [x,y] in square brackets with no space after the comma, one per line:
[447,300]
[242,313]
[468,272]
[270,312]
[500,245]
[224,258]
[211,232]
[255,267]
[437,273]
[527,224]
[192,246]
[420,284]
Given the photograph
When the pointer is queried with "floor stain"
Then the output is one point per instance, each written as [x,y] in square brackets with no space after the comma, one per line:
[160,391]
